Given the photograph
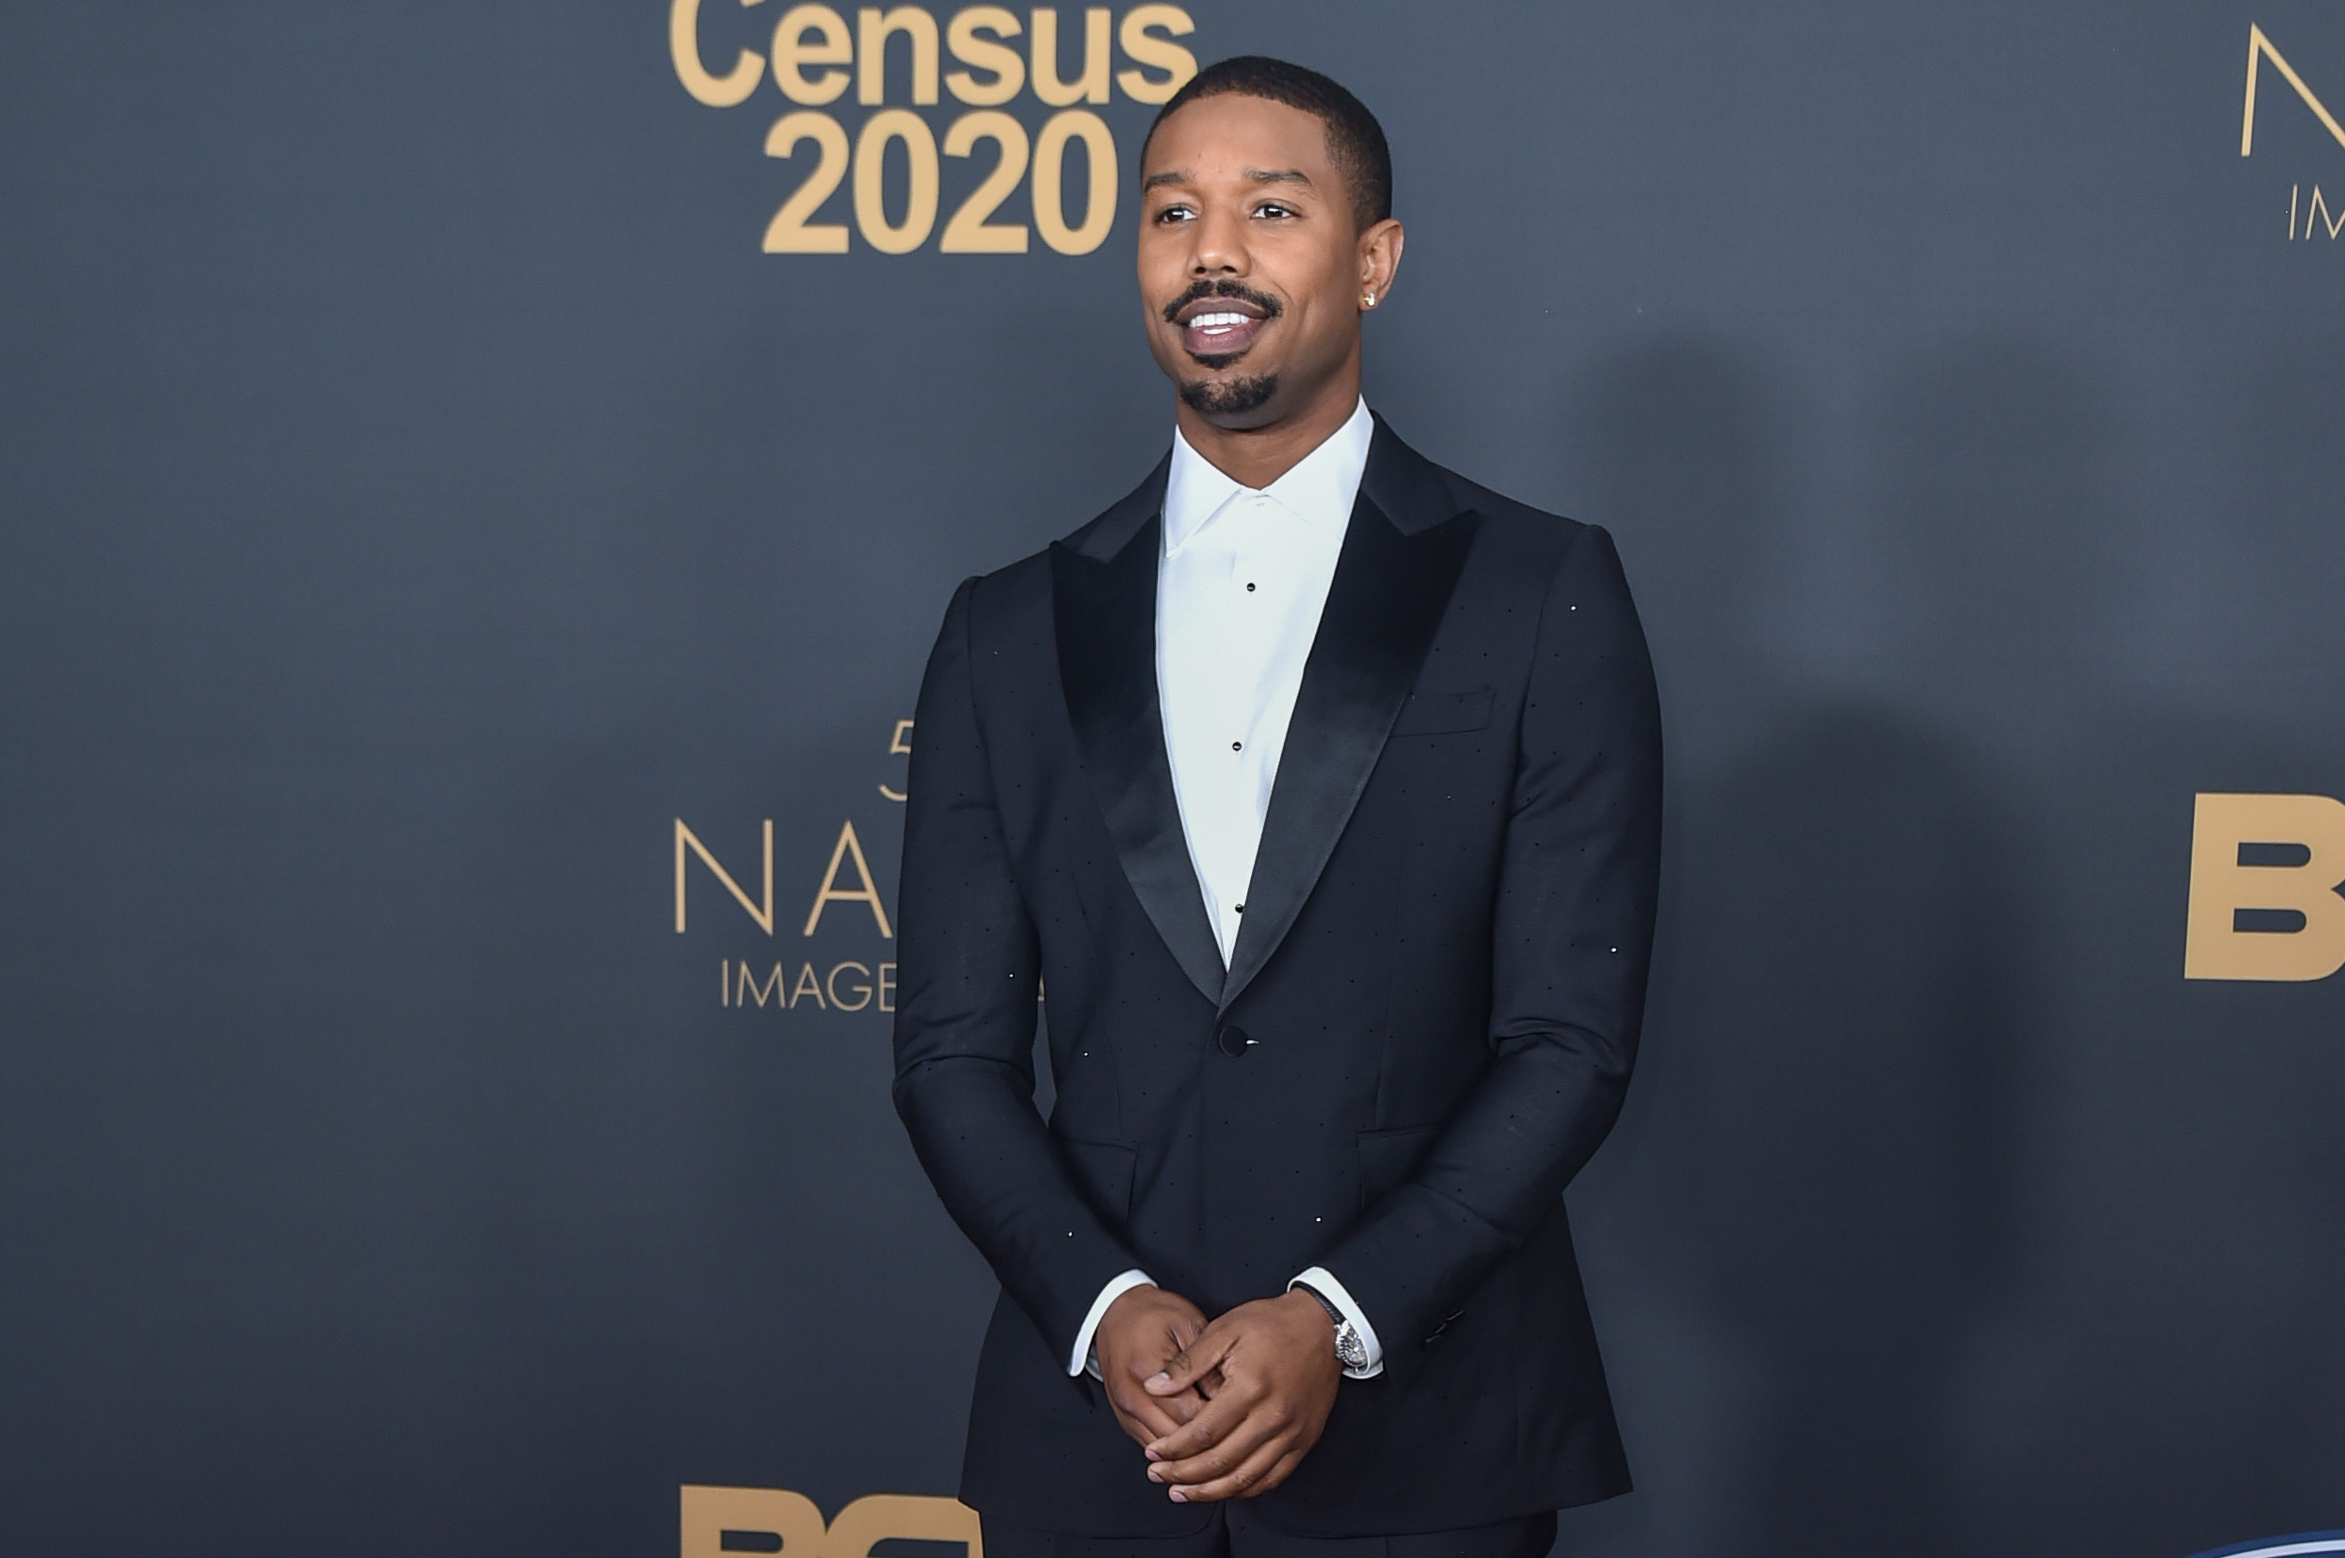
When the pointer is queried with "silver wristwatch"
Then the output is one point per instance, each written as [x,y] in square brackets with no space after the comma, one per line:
[1350,1351]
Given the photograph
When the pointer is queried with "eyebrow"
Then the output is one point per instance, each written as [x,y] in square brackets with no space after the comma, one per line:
[1257,175]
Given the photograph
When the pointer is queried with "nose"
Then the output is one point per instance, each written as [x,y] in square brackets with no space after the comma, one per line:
[1218,245]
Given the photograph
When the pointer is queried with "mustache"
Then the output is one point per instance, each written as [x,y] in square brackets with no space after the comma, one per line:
[1225,288]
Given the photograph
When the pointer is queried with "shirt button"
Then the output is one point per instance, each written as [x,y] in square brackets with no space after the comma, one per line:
[1237,746]
[1249,589]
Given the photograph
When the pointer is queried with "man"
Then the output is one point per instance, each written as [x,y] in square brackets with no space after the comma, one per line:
[1322,788]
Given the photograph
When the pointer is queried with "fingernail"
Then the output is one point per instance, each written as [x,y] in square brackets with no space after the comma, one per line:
[1160,1377]
[1153,1455]
[1153,1475]
[1179,1497]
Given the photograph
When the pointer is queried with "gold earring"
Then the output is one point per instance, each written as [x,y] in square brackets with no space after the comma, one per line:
[1368,301]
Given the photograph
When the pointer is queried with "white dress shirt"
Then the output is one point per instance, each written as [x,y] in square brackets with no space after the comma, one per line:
[1239,588]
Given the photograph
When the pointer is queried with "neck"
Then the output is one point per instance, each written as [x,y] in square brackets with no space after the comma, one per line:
[1257,456]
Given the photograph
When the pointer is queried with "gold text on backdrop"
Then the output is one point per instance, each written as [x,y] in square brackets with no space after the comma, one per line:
[740,985]
[2264,873]
[2259,49]
[813,57]
[718,1521]
[846,854]
[864,980]
[899,745]
[2316,215]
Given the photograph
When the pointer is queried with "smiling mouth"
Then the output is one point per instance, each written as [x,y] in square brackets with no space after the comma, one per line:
[1219,335]
[1219,322]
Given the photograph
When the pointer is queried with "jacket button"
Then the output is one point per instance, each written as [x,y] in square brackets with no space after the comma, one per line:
[1233,1040]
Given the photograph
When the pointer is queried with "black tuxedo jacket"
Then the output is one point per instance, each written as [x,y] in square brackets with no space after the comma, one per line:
[1424,1031]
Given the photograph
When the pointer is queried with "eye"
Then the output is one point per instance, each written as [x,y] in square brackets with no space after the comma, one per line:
[1174,213]
[1275,208]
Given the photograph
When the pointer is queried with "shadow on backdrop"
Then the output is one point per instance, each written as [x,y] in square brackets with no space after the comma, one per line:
[1823,1157]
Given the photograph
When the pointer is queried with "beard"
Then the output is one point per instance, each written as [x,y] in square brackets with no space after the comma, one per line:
[1225,397]
[1228,397]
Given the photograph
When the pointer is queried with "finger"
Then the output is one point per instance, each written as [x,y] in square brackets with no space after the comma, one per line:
[1140,1433]
[1201,1358]
[1228,1451]
[1248,1477]
[1181,1408]
[1213,1422]
[1147,1419]
[1175,1412]
[1146,1429]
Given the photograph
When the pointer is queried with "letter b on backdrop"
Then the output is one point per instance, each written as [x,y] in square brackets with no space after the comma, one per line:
[2264,871]
[721,1521]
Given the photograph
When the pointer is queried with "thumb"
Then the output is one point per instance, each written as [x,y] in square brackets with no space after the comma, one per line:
[1190,1365]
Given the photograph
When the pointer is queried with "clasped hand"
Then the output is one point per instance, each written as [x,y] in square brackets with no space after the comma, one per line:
[1222,1410]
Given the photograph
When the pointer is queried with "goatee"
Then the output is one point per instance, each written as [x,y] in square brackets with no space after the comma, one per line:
[1228,397]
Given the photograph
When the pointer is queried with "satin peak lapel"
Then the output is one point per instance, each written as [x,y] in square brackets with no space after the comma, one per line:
[1392,583]
[1105,609]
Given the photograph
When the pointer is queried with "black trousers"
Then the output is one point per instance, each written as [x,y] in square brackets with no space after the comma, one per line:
[1234,1532]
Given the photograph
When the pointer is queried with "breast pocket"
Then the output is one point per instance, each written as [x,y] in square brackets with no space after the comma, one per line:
[1444,713]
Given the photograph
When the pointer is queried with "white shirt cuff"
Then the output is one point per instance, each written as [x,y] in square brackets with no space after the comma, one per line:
[1321,1280]
[1080,1361]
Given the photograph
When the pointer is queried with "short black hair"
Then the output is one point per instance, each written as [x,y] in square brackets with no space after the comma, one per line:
[1355,141]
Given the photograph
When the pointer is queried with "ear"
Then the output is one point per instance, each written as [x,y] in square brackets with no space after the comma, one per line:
[1379,254]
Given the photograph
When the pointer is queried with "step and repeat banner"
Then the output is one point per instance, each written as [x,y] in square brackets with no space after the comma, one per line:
[479,486]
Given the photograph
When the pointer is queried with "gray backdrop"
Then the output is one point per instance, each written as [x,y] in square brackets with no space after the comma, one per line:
[422,495]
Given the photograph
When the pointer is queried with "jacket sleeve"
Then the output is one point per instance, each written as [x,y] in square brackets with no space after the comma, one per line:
[1572,939]
[967,969]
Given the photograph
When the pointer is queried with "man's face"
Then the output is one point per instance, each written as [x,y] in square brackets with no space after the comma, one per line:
[1250,263]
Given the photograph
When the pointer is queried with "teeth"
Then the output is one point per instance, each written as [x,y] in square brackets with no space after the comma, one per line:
[1216,321]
